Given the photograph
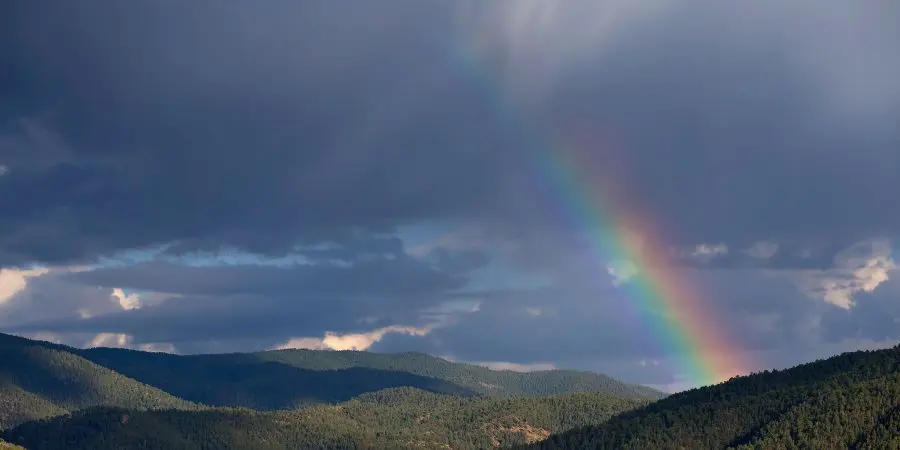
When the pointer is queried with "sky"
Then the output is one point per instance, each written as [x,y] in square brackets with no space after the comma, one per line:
[490,182]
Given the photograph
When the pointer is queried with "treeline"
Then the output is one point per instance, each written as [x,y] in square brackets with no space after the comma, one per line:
[394,418]
[849,401]
[279,379]
[42,381]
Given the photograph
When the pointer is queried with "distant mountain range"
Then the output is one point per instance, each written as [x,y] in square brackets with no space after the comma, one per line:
[43,380]
[55,397]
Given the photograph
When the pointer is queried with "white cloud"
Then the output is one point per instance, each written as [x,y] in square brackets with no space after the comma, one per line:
[351,341]
[515,367]
[117,340]
[307,343]
[158,347]
[534,311]
[762,250]
[128,302]
[3,170]
[13,281]
[859,268]
[43,336]
[706,252]
[621,270]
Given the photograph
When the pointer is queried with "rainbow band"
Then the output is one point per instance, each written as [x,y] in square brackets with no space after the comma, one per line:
[680,322]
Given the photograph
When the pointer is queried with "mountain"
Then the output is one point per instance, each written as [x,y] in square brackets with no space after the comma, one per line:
[238,381]
[7,446]
[42,380]
[477,378]
[848,401]
[290,378]
[393,418]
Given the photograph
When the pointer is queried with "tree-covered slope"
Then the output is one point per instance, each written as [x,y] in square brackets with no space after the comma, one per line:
[7,446]
[394,418]
[286,379]
[848,401]
[237,381]
[477,378]
[38,380]
[291,378]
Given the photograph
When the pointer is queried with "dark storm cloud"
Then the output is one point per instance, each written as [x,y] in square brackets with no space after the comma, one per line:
[240,302]
[201,318]
[376,278]
[286,128]
[574,321]
[231,125]
[255,125]
[875,316]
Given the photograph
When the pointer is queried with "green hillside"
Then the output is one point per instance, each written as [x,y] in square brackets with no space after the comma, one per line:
[237,381]
[291,378]
[476,378]
[38,380]
[848,401]
[395,418]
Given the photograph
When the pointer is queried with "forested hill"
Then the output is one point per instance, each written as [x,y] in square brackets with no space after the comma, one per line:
[42,379]
[38,380]
[848,401]
[393,418]
[477,378]
[268,380]
[7,446]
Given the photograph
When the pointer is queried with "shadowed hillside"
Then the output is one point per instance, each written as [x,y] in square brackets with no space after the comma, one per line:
[233,380]
[38,380]
[41,379]
[290,378]
[393,418]
[476,378]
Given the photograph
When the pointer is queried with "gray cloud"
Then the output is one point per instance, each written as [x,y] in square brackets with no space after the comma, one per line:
[265,126]
[285,129]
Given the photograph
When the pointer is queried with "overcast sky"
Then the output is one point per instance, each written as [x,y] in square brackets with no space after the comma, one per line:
[230,176]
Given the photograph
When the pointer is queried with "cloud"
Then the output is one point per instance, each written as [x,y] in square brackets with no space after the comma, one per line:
[707,252]
[280,178]
[109,340]
[13,281]
[762,250]
[621,271]
[130,301]
[516,367]
[351,341]
[354,162]
[859,268]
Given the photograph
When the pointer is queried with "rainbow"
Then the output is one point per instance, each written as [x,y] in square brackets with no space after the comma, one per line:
[673,311]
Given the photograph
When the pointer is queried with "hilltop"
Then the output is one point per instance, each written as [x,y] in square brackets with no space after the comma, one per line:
[289,378]
[39,380]
[7,446]
[847,401]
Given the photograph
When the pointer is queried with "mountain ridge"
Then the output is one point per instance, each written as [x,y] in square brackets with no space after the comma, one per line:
[41,379]
[390,418]
[838,402]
